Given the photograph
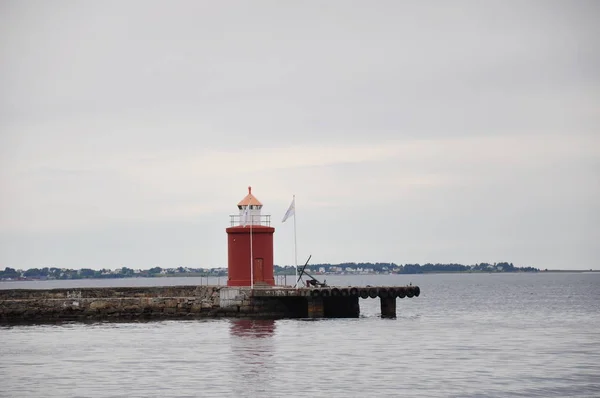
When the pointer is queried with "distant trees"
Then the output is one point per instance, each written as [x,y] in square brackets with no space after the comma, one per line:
[416,268]
[9,273]
[33,272]
[87,273]
[154,270]
[353,267]
[343,268]
[429,268]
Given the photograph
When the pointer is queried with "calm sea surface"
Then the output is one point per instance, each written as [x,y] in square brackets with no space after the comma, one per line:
[467,335]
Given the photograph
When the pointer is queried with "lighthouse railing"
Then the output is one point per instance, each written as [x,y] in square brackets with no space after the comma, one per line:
[261,220]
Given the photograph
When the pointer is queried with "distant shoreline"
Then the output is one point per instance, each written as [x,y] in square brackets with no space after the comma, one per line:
[568,270]
[196,275]
[55,273]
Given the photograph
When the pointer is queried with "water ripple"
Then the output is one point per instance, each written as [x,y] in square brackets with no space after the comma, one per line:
[466,336]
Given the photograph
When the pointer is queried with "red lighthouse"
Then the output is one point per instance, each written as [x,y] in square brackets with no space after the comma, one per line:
[250,245]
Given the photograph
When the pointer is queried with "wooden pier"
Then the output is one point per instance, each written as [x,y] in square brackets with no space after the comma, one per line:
[324,302]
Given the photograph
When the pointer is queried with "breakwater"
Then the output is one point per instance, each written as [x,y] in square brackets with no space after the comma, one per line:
[186,302]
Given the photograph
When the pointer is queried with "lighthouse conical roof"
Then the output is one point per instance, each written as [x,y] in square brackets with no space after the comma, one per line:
[250,199]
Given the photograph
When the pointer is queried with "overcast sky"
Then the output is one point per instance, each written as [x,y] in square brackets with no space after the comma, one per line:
[409,131]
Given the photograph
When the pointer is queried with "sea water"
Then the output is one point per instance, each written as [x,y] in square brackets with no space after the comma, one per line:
[467,335]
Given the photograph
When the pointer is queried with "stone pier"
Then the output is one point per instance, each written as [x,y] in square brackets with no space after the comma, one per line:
[185,302]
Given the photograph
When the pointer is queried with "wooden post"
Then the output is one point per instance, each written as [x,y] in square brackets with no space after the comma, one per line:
[315,307]
[388,307]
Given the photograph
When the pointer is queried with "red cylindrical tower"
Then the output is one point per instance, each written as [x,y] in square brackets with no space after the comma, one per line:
[250,245]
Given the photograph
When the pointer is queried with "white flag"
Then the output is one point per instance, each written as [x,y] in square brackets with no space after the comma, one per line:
[290,211]
[244,217]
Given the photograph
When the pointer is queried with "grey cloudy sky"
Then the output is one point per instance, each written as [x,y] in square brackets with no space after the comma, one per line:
[409,131]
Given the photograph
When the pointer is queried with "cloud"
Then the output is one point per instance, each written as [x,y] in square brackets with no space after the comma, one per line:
[69,190]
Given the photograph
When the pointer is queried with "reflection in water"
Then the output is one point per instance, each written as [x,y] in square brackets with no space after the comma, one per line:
[252,327]
[252,343]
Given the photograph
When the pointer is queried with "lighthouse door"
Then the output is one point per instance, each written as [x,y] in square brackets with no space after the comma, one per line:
[258,270]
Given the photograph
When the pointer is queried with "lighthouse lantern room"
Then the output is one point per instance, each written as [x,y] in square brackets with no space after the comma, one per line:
[250,245]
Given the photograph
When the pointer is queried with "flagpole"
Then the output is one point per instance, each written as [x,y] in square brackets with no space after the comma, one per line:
[291,211]
[295,244]
[251,255]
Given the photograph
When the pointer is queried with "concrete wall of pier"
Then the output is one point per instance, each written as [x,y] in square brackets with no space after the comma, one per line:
[144,303]
[109,303]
